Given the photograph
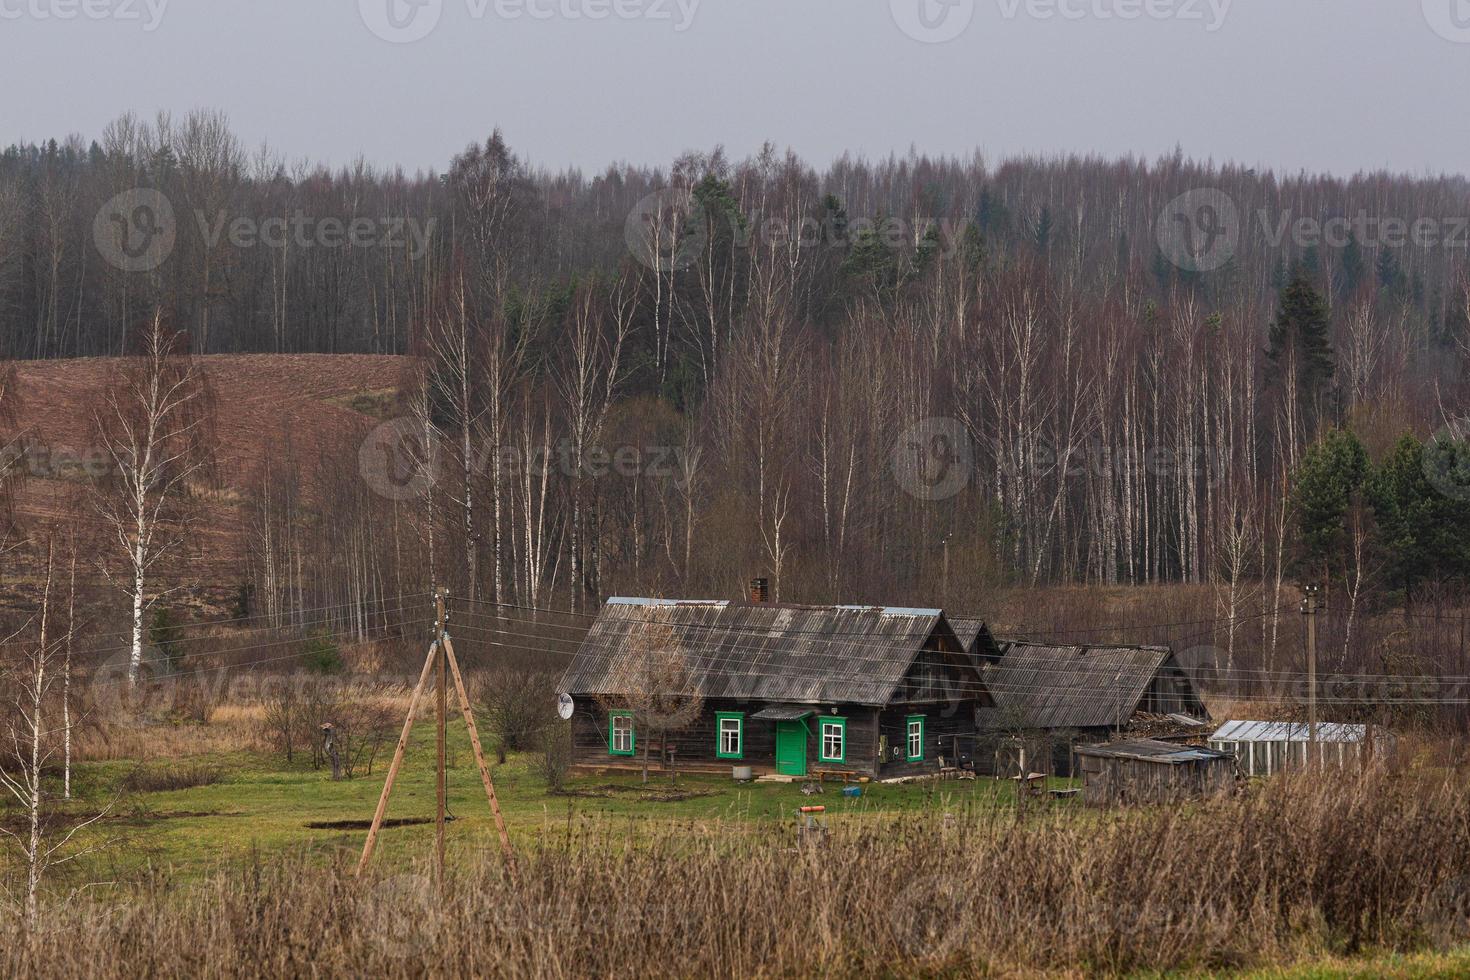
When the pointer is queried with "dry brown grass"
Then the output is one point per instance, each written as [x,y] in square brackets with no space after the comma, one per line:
[1292,869]
[229,728]
[177,722]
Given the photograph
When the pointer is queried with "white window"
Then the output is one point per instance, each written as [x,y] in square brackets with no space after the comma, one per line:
[729,745]
[834,738]
[621,741]
[916,739]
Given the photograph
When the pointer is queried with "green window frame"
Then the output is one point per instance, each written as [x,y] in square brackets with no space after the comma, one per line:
[615,731]
[914,733]
[721,751]
[832,739]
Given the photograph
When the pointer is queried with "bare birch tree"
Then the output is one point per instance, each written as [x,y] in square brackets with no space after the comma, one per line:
[152,425]
[588,383]
[30,745]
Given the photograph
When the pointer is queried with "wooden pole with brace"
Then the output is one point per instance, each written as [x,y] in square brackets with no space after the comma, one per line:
[441,654]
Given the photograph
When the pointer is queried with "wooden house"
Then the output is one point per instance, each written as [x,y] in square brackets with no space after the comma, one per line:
[1049,698]
[1149,771]
[790,690]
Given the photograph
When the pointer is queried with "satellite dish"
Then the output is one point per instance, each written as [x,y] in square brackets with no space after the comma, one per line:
[565,706]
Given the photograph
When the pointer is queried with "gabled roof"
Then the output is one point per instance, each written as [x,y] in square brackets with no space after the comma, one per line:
[975,637]
[764,652]
[1042,686]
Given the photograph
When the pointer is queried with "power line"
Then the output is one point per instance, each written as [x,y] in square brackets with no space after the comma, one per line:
[831,633]
[128,646]
[1045,688]
[721,655]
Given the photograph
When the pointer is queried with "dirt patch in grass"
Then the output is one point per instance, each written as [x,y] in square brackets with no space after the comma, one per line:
[18,823]
[642,794]
[163,779]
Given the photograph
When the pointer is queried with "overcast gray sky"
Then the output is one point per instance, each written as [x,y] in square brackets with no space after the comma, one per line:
[1334,85]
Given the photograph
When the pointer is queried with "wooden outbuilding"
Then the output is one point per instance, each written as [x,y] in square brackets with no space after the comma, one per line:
[1149,771]
[1049,698]
[790,690]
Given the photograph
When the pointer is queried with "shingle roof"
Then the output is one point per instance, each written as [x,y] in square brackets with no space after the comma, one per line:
[1042,686]
[766,652]
[975,636]
[966,629]
[1149,750]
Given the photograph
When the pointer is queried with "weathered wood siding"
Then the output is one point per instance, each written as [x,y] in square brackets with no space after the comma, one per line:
[941,720]
[1115,782]
[695,746]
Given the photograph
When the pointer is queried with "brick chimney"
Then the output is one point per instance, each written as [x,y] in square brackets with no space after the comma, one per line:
[760,590]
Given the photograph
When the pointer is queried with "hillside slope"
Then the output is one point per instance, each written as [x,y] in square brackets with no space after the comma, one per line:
[315,404]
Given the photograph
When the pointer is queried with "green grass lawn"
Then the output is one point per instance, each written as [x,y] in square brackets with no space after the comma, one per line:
[263,805]
[1387,966]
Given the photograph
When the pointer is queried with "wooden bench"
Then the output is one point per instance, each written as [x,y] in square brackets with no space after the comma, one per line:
[837,775]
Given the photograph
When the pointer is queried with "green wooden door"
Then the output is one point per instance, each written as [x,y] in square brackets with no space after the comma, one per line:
[791,748]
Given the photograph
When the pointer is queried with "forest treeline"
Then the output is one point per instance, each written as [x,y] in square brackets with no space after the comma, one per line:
[911,379]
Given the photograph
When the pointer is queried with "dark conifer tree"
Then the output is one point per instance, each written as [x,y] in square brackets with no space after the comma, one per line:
[1301,328]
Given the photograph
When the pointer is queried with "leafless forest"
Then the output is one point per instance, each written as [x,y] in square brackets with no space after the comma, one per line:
[665,380]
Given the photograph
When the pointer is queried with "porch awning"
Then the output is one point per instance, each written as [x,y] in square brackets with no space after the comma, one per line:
[783,712]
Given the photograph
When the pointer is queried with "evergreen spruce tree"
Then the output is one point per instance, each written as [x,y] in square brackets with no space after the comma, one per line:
[1419,500]
[1043,230]
[1311,262]
[1302,326]
[1279,274]
[991,214]
[1389,276]
[972,247]
[1163,269]
[1330,476]
[927,249]
[870,261]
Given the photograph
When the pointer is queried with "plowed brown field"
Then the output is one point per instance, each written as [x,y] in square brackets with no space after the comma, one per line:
[315,403]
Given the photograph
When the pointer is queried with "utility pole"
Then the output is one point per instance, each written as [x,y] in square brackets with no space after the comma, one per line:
[944,589]
[1310,607]
[441,652]
[442,620]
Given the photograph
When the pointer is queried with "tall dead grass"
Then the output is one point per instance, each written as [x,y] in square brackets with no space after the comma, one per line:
[1298,867]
